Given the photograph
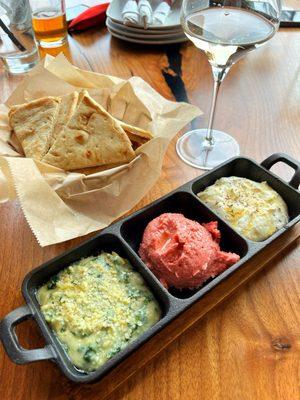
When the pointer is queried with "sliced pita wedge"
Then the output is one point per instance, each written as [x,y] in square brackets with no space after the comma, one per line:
[66,110]
[92,137]
[15,143]
[137,134]
[33,124]
[81,95]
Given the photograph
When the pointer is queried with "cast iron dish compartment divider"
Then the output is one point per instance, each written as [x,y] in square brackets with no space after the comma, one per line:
[124,238]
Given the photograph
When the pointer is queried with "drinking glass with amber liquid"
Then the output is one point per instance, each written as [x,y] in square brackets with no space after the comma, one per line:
[49,22]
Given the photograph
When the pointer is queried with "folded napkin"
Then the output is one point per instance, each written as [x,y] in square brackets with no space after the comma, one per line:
[145,12]
[140,12]
[130,13]
[162,11]
[93,16]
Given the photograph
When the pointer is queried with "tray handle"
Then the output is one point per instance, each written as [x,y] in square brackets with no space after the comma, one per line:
[285,158]
[10,340]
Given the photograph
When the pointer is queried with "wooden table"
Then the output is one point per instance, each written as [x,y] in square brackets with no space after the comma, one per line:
[248,347]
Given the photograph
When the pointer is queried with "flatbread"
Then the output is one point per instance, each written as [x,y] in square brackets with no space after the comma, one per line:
[92,137]
[137,134]
[15,143]
[33,124]
[66,110]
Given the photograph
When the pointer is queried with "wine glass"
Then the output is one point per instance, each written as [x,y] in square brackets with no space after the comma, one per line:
[225,30]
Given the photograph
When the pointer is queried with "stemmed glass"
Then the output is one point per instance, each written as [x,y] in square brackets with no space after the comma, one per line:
[225,30]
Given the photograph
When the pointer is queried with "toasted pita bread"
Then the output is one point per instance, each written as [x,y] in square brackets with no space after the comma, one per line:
[92,137]
[33,124]
[136,139]
[66,110]
[81,95]
[15,143]
[137,134]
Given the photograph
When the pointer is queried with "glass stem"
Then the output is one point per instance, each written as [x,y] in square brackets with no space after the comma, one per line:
[218,75]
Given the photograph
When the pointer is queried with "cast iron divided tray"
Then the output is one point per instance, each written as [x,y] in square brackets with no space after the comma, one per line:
[124,238]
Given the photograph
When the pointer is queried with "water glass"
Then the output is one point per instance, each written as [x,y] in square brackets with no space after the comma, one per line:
[18,49]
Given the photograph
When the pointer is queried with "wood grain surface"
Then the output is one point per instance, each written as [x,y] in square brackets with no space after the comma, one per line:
[249,346]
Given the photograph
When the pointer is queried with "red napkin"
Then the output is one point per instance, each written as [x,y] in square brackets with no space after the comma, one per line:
[89,18]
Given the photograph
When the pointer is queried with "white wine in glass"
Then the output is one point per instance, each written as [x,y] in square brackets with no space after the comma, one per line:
[225,31]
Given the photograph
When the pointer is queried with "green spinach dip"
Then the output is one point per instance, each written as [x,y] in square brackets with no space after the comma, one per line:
[96,306]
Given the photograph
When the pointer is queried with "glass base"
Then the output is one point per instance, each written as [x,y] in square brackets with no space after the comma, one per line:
[21,63]
[194,150]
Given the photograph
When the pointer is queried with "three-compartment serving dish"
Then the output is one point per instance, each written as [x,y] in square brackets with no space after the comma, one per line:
[124,237]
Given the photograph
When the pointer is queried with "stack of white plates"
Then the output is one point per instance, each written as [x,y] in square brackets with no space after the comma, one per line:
[170,32]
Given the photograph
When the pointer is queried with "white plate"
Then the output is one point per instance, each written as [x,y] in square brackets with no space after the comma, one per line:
[141,30]
[150,41]
[156,39]
[115,8]
[144,35]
